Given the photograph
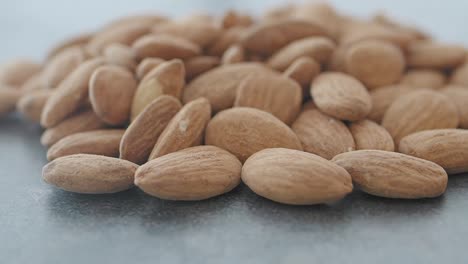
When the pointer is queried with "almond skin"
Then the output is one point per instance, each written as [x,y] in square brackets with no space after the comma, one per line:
[459,96]
[31,104]
[15,73]
[234,54]
[225,40]
[295,177]
[191,174]
[124,34]
[393,175]
[199,65]
[303,71]
[186,129]
[61,65]
[8,99]
[341,96]
[244,131]
[446,147]
[98,142]
[79,40]
[200,33]
[424,78]
[90,174]
[165,47]
[120,55]
[144,131]
[146,66]
[460,75]
[417,111]
[370,135]
[428,54]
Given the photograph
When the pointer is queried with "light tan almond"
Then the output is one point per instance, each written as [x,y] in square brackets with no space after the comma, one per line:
[168,78]
[321,134]
[34,83]
[294,177]
[198,65]
[393,175]
[141,136]
[122,34]
[61,65]
[244,131]
[8,98]
[120,55]
[341,96]
[337,59]
[16,72]
[446,147]
[353,32]
[165,47]
[234,54]
[227,38]
[303,71]
[460,75]
[434,55]
[146,66]
[146,20]
[272,93]
[424,78]
[185,130]
[111,90]
[200,33]
[417,111]
[195,173]
[99,142]
[80,122]
[31,104]
[280,12]
[79,40]
[459,96]
[321,13]
[415,33]
[370,135]
[234,19]
[90,174]
[318,48]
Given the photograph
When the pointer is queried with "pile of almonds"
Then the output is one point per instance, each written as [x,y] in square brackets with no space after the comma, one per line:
[302,105]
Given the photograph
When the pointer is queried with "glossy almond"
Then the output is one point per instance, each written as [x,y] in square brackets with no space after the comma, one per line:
[370,135]
[31,104]
[8,99]
[198,65]
[165,47]
[16,72]
[295,177]
[61,65]
[303,71]
[434,55]
[200,33]
[234,54]
[424,78]
[393,175]
[146,66]
[459,96]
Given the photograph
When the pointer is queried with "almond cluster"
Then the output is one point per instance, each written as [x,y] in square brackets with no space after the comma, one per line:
[303,105]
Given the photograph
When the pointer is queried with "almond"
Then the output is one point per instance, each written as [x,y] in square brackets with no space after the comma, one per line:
[460,75]
[16,72]
[233,19]
[393,175]
[198,65]
[90,174]
[8,99]
[244,131]
[234,54]
[424,78]
[146,66]
[295,177]
[321,13]
[120,55]
[186,129]
[165,47]
[79,40]
[200,33]
[341,96]
[459,96]
[34,83]
[225,40]
[124,34]
[31,104]
[303,71]
[369,135]
[142,20]
[354,32]
[434,55]
[61,65]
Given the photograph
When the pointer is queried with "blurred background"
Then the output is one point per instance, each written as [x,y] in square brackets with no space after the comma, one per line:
[30,27]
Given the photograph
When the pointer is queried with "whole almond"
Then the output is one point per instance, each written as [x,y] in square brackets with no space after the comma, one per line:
[424,78]
[341,96]
[370,135]
[31,104]
[16,72]
[244,131]
[200,33]
[446,147]
[90,174]
[34,83]
[321,13]
[8,98]
[146,66]
[354,32]
[124,34]
[234,19]
[303,71]
[198,65]
[120,55]
[61,65]
[225,40]
[460,75]
[393,175]
[142,20]
[459,96]
[295,177]
[142,134]
[165,47]
[434,55]
[417,111]
[79,40]
[111,90]
[98,142]
[195,173]
[234,54]
[186,129]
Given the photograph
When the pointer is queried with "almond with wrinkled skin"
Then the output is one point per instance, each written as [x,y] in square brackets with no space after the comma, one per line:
[141,136]
[168,78]
[80,122]
[165,47]
[434,55]
[191,174]
[294,177]
[424,78]
[459,96]
[318,48]
[70,94]
[225,40]
[369,135]
[321,134]
[16,72]
[31,104]
[200,33]
[97,142]
[272,93]
[90,174]
[234,54]
[185,130]
[122,34]
[244,131]
[460,75]
[417,111]
[303,71]
[393,175]
[61,65]
[8,98]
[446,147]
[198,65]
[120,55]
[146,66]
[341,96]
[111,90]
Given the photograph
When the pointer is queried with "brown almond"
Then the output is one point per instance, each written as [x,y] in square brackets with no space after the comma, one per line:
[459,96]
[142,20]
[90,174]
[234,54]
[120,55]
[303,71]
[195,173]
[34,83]
[225,40]
[460,75]
[321,13]
[146,66]
[79,40]
[198,65]
[31,104]
[353,32]
[8,98]
[434,55]
[61,65]
[200,33]
[233,19]
[295,177]
[16,72]
[244,131]
[393,175]
[424,78]
[370,135]
[165,47]
[124,34]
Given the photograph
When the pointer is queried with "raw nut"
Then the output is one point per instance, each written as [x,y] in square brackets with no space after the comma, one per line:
[98,142]
[142,134]
[31,104]
[321,13]
[199,65]
[121,34]
[303,71]
[294,177]
[15,73]
[417,111]
[272,93]
[8,98]
[374,62]
[424,78]
[90,174]
[233,19]
[33,84]
[120,55]
[337,59]
[80,122]
[244,131]
[459,97]
[446,147]
[354,32]
[185,130]
[370,135]
[76,41]
[191,174]
[393,175]
[318,48]
[146,66]
[168,78]
[111,91]
[460,75]
[61,65]
[200,33]
[321,134]
[142,20]
[341,96]
[70,95]
[434,55]
[234,54]
[229,37]
[279,13]
[165,47]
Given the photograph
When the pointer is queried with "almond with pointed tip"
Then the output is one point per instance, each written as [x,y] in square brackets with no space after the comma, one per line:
[165,47]
[31,104]
[370,135]
[303,71]
[198,65]
[146,66]
[61,65]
